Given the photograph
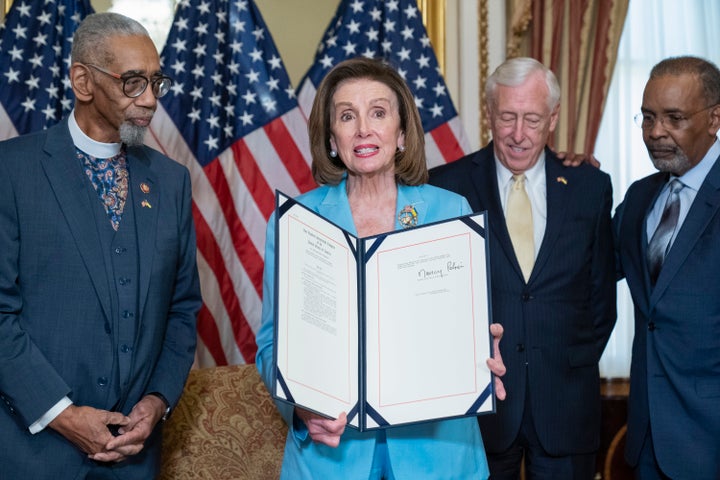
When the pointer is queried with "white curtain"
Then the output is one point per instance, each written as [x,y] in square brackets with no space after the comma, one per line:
[654,29]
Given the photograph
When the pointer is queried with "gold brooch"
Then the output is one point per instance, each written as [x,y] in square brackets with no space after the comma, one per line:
[562,180]
[408,217]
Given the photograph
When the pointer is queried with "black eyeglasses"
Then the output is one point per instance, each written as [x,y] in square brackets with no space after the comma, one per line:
[134,84]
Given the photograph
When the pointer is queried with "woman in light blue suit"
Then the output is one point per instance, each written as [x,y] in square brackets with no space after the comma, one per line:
[368,154]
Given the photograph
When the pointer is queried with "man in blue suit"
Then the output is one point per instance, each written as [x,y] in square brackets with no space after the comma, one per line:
[98,281]
[553,278]
[673,419]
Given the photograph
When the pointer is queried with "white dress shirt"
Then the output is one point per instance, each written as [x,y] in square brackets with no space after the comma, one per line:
[693,180]
[536,189]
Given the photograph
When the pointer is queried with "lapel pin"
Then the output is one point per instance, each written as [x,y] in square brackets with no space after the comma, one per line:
[145,204]
[562,180]
[144,187]
[408,217]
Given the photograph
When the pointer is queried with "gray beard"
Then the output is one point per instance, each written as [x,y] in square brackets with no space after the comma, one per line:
[678,165]
[132,135]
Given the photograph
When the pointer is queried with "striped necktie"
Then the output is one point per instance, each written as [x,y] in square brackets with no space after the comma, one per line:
[660,242]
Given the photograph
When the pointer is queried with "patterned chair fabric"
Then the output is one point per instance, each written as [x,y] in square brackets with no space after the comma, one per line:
[225,426]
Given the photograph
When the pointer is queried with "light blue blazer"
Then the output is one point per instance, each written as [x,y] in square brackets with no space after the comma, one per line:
[450,449]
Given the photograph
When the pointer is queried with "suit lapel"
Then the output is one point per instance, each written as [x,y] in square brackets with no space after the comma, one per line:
[484,178]
[336,207]
[556,198]
[630,234]
[703,209]
[145,195]
[68,181]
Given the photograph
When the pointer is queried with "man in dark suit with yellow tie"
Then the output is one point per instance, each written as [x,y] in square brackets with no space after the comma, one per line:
[98,281]
[668,243]
[552,278]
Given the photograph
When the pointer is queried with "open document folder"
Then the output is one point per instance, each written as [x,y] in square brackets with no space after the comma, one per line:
[392,329]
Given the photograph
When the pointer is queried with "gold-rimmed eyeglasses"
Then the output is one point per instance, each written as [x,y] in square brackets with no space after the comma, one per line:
[671,121]
[134,84]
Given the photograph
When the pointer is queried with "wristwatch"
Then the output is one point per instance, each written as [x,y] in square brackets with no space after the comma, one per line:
[166,415]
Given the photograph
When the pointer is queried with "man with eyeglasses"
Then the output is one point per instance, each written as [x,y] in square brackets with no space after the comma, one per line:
[552,277]
[99,287]
[668,249]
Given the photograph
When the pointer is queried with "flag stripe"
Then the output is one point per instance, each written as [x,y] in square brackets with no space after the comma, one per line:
[212,298]
[243,201]
[306,95]
[254,180]
[434,156]
[242,333]
[208,331]
[443,135]
[286,148]
[274,166]
[249,257]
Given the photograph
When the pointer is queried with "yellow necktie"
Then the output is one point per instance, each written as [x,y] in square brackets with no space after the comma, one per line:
[518,216]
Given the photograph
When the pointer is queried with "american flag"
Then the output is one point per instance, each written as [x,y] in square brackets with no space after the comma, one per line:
[232,118]
[35,43]
[393,30]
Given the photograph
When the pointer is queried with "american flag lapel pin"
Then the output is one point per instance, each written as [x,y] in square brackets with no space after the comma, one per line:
[145,188]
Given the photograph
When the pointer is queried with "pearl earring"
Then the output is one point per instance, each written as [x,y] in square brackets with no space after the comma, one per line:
[401,148]
[333,153]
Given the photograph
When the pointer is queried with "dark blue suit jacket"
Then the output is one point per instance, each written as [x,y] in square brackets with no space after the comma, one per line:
[57,330]
[556,325]
[675,373]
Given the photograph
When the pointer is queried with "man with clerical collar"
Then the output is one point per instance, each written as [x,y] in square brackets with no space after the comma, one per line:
[99,288]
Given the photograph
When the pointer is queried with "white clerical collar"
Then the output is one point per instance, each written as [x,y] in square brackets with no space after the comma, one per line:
[87,144]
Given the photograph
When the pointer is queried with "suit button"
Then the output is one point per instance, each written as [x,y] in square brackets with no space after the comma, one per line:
[526,297]
[520,347]
[126,349]
[102,381]
[651,326]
